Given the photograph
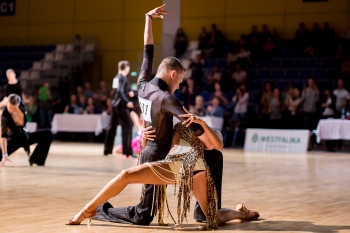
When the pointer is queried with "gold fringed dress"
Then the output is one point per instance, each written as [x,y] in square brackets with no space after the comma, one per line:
[187,157]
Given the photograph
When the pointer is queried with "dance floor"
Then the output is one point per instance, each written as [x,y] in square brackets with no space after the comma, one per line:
[292,192]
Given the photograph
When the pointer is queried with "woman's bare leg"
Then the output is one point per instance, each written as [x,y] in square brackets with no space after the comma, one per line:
[200,193]
[140,174]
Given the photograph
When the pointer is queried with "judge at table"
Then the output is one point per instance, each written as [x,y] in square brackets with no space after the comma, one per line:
[14,134]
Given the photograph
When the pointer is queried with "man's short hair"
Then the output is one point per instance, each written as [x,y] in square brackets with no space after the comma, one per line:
[171,63]
[14,99]
[9,71]
[123,64]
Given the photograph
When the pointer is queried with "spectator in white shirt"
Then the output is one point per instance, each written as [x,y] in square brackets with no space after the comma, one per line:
[239,76]
[342,97]
[241,100]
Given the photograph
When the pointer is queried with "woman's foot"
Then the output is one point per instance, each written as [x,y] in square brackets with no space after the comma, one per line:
[79,217]
[249,215]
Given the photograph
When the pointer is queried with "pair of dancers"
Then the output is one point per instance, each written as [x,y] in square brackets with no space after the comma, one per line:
[184,165]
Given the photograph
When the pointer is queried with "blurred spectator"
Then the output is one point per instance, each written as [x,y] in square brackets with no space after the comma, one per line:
[275,108]
[108,109]
[82,104]
[203,39]
[78,44]
[45,105]
[315,36]
[218,93]
[214,75]
[268,48]
[301,37]
[327,40]
[217,42]
[228,84]
[111,94]
[253,34]
[32,110]
[214,109]
[293,102]
[198,108]
[342,98]
[80,91]
[72,107]
[327,105]
[239,76]
[196,66]
[265,33]
[87,90]
[188,94]
[90,107]
[101,96]
[56,101]
[238,54]
[243,43]
[310,98]
[255,49]
[276,37]
[180,44]
[265,101]
[12,87]
[340,57]
[241,103]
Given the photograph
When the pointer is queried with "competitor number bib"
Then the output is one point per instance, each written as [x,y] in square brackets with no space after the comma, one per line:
[115,84]
[145,106]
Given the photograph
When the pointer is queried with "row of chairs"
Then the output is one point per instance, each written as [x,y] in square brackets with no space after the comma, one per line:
[14,57]
[291,73]
[312,62]
[27,49]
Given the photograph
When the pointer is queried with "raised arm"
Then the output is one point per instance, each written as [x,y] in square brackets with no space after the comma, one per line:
[148,52]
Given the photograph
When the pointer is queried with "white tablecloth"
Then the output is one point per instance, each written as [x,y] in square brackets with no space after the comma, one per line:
[333,129]
[80,123]
[212,121]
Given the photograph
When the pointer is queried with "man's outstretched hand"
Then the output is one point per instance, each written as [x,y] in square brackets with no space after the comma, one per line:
[158,12]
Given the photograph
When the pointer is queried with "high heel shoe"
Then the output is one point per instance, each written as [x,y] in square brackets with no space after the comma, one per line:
[249,215]
[92,214]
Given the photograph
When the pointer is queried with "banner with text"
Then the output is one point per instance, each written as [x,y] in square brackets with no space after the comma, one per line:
[276,140]
[7,7]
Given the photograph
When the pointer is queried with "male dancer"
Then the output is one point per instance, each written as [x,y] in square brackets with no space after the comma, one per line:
[121,112]
[14,135]
[158,107]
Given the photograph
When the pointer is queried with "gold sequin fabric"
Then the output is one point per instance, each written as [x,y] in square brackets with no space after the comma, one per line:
[188,159]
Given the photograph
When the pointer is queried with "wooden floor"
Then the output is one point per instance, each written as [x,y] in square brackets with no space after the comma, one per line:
[293,192]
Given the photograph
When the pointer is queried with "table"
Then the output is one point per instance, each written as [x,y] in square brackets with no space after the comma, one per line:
[333,129]
[80,123]
[212,121]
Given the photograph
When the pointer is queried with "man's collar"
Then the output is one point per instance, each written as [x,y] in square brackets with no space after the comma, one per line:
[160,83]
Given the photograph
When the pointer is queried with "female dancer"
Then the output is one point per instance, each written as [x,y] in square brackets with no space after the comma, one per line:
[185,157]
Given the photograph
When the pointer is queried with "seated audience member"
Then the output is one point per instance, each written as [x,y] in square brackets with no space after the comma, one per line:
[276,107]
[73,107]
[268,48]
[238,53]
[328,111]
[302,37]
[203,39]
[342,98]
[214,75]
[197,67]
[216,42]
[14,135]
[82,104]
[265,101]
[214,109]
[79,91]
[327,39]
[239,76]
[198,108]
[87,90]
[218,93]
[90,107]
[188,94]
[180,44]
[265,33]
[101,96]
[56,101]
[240,99]
[108,109]
[32,110]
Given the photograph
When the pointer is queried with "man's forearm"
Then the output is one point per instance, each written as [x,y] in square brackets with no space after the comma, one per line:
[4,145]
[148,35]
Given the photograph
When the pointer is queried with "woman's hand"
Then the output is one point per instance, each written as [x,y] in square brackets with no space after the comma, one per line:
[148,134]
[5,158]
[158,12]
[191,118]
